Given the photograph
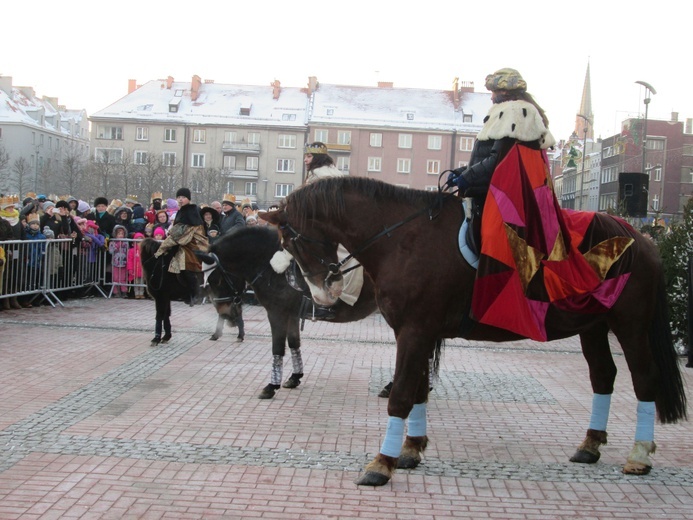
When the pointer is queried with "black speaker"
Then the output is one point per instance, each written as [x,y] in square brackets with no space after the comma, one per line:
[633,193]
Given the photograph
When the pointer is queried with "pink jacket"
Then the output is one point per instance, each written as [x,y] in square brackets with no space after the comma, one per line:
[134,263]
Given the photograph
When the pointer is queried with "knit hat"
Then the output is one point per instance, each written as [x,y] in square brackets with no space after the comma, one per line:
[47,205]
[137,236]
[48,232]
[91,224]
[505,79]
[184,192]
[159,232]
[171,204]
[100,200]
[61,204]
[82,206]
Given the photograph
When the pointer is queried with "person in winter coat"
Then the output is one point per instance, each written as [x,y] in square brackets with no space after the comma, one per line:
[162,220]
[103,219]
[118,247]
[232,218]
[187,232]
[135,275]
[211,219]
[138,221]
[319,164]
[13,257]
[34,252]
[123,217]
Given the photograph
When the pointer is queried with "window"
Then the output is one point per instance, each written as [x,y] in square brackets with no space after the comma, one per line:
[466,118]
[229,137]
[403,165]
[286,141]
[285,165]
[141,157]
[433,166]
[253,138]
[282,190]
[229,162]
[251,163]
[376,140]
[199,136]
[142,133]
[288,117]
[375,164]
[244,111]
[654,144]
[251,188]
[110,132]
[655,202]
[657,173]
[435,142]
[229,187]
[321,135]
[198,160]
[170,135]
[343,164]
[108,155]
[466,144]
[169,159]
[431,188]
[404,141]
[344,137]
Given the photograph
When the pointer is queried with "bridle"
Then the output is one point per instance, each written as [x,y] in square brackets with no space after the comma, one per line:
[236,295]
[335,269]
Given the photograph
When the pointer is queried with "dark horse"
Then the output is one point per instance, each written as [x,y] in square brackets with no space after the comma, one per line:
[243,257]
[408,244]
[165,287]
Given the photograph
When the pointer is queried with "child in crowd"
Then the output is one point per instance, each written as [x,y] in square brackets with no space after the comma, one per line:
[34,252]
[118,247]
[135,267]
[149,230]
[159,233]
[92,241]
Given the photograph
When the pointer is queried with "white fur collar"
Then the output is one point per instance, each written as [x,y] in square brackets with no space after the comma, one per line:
[517,119]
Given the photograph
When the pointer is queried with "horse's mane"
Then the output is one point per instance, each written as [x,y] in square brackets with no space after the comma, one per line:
[324,199]
[148,247]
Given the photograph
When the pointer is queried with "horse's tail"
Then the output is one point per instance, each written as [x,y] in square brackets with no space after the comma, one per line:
[671,396]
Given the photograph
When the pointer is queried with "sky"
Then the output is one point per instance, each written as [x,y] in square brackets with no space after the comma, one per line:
[84,52]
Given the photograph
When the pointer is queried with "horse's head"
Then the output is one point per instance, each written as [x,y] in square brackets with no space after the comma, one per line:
[309,241]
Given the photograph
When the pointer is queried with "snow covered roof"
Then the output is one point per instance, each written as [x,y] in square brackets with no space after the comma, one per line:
[220,104]
[215,104]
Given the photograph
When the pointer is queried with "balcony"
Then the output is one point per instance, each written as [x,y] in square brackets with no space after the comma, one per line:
[338,148]
[240,174]
[240,147]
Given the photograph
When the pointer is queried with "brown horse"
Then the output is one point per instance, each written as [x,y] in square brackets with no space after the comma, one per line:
[407,241]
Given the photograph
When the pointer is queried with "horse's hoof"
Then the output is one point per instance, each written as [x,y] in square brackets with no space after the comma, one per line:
[166,338]
[371,478]
[636,468]
[155,341]
[585,457]
[268,392]
[293,381]
[408,462]
[240,338]
[385,392]
[214,337]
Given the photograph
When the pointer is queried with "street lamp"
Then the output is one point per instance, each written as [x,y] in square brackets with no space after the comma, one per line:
[36,170]
[648,89]
[584,154]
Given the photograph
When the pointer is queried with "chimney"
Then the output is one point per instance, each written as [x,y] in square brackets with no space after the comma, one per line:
[689,126]
[195,87]
[674,117]
[385,84]
[209,82]
[6,85]
[276,88]
[132,85]
[169,82]
[52,100]
[456,91]
[312,84]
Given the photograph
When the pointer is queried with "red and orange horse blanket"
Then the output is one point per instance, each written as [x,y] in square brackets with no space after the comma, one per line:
[535,255]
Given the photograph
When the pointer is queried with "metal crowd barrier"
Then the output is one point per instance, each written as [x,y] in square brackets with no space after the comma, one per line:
[45,268]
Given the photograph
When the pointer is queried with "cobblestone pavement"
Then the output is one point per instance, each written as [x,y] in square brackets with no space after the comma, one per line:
[95,423]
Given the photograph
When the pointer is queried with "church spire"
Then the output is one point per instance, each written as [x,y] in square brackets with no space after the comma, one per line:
[585,109]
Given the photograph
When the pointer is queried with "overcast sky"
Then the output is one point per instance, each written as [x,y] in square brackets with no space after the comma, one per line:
[84,52]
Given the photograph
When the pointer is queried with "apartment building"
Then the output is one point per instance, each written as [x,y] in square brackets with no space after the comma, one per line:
[42,141]
[251,138]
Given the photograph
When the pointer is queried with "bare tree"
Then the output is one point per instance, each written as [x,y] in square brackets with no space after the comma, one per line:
[5,181]
[73,173]
[105,174]
[171,179]
[207,183]
[150,173]
[22,174]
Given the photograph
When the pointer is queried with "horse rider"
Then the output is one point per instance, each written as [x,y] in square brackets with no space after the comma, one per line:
[187,232]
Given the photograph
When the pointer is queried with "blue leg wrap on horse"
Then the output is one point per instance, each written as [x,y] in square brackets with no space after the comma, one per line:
[644,427]
[297,360]
[601,403]
[394,435]
[277,368]
[417,421]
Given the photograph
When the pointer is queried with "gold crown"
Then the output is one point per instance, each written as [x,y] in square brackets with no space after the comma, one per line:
[6,201]
[30,195]
[157,195]
[229,197]
[131,198]
[313,149]
[63,197]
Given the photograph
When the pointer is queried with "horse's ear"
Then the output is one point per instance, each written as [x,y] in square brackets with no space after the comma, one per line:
[276,217]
